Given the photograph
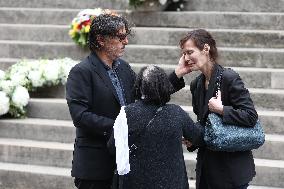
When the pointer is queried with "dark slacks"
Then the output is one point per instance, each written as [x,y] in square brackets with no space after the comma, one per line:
[92,184]
[204,185]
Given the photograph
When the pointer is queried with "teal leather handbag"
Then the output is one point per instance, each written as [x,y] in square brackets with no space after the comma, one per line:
[230,138]
[219,136]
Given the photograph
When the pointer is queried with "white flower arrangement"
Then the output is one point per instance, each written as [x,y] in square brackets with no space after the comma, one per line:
[81,24]
[40,73]
[27,76]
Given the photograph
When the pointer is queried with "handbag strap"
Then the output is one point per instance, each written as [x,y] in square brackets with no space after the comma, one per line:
[219,81]
[133,147]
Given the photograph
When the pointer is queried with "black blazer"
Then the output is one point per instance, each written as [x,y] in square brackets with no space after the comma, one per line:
[224,170]
[93,105]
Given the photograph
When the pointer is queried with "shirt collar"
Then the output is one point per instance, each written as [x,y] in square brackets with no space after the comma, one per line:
[115,64]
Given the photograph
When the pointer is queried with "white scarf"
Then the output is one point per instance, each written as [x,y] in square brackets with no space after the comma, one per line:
[120,129]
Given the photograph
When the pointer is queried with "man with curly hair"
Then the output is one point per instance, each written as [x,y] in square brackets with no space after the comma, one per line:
[96,89]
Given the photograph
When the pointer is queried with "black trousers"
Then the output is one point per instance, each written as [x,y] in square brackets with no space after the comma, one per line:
[204,185]
[92,184]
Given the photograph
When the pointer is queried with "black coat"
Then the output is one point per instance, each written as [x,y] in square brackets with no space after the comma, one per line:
[224,170]
[94,105]
[158,161]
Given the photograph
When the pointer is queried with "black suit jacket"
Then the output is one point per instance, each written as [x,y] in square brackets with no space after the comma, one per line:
[224,170]
[93,105]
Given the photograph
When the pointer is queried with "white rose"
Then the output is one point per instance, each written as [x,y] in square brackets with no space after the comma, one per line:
[66,69]
[66,65]
[18,79]
[7,86]
[95,12]
[36,78]
[2,75]
[4,103]
[162,2]
[20,96]
[83,18]
[51,71]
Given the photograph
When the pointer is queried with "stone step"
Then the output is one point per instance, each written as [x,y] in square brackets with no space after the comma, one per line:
[216,20]
[37,50]
[37,15]
[192,185]
[210,19]
[271,120]
[57,109]
[36,152]
[148,36]
[223,37]
[38,129]
[64,132]
[34,177]
[252,77]
[233,57]
[190,5]
[48,109]
[271,148]
[55,129]
[35,32]
[60,155]
[264,99]
[268,172]
[262,187]
[239,6]
[63,4]
[13,148]
[20,176]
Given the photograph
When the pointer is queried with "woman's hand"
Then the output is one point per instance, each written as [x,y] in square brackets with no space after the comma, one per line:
[182,67]
[186,143]
[215,104]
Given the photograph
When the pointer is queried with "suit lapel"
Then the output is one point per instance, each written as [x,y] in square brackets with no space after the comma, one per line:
[101,71]
[200,95]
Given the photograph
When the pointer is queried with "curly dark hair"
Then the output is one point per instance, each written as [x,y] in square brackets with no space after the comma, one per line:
[153,86]
[200,37]
[106,25]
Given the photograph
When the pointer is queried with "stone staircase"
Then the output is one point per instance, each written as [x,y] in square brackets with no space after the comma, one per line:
[37,152]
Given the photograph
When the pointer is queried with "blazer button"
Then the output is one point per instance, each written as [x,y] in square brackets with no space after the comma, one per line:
[105,133]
